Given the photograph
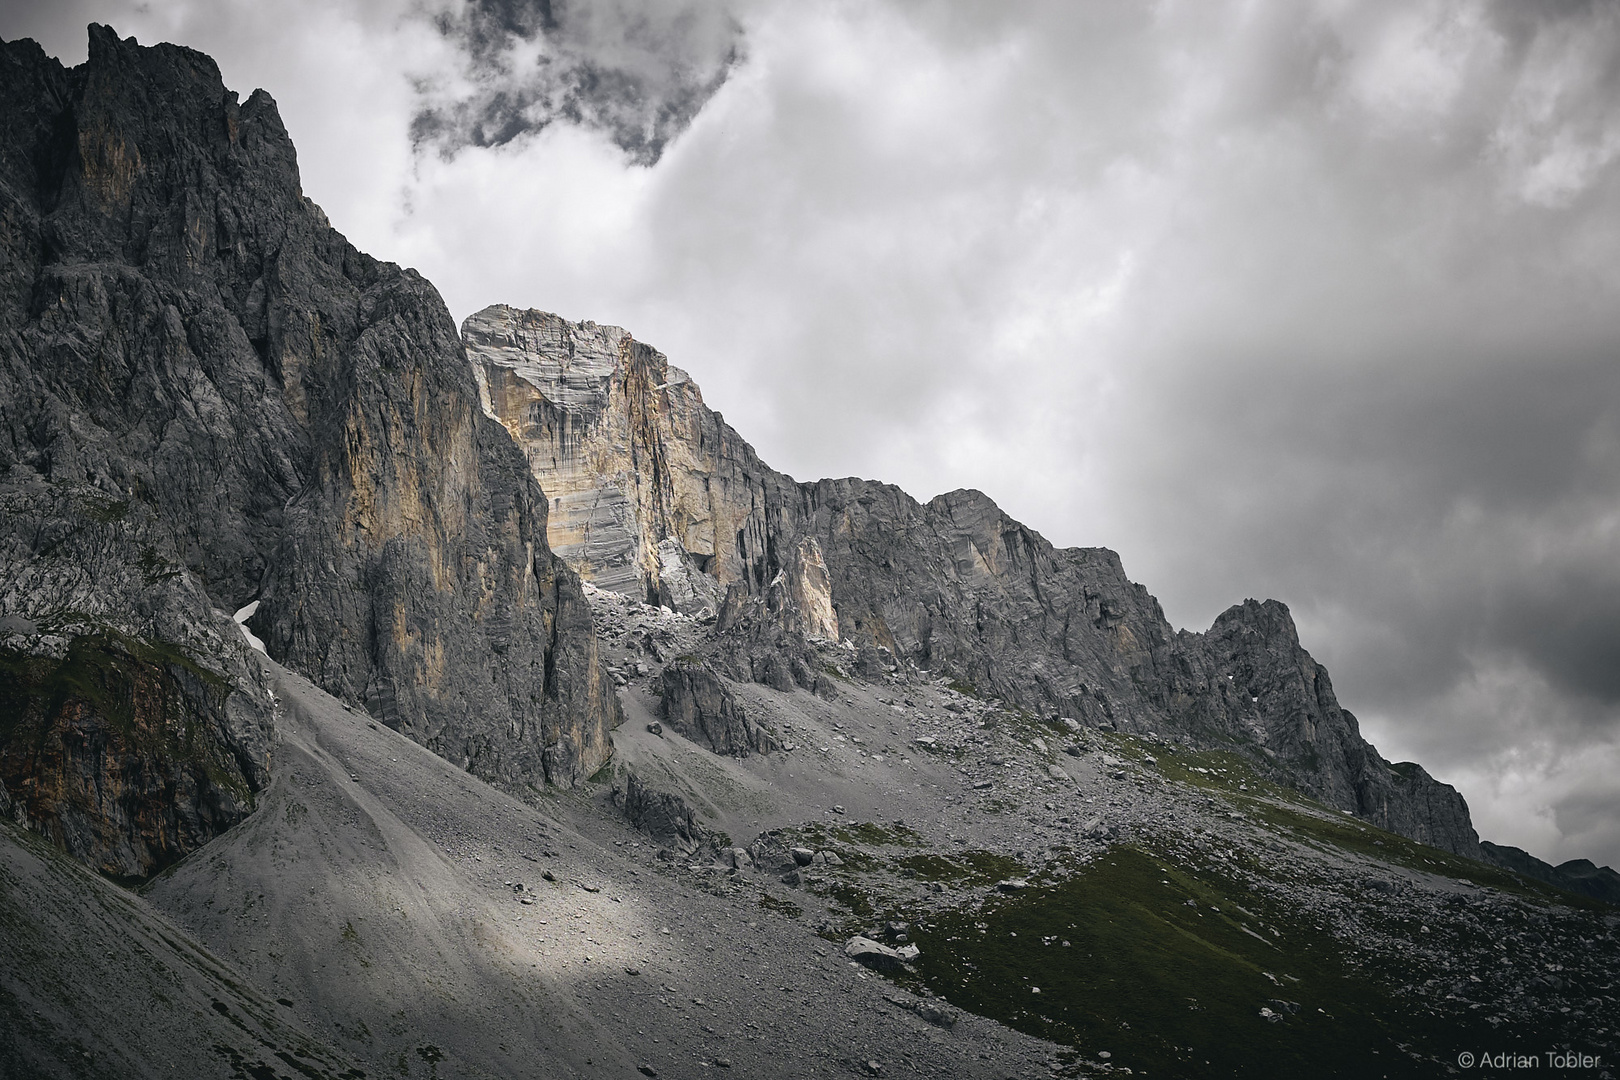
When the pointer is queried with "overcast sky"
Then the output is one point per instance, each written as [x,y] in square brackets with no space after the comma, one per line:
[1317,301]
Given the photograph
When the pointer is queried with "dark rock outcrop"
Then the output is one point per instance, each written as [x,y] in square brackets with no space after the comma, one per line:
[953,586]
[662,815]
[261,412]
[122,752]
[133,725]
[696,702]
[1279,696]
[1577,875]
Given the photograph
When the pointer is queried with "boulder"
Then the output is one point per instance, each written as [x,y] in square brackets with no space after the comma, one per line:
[874,954]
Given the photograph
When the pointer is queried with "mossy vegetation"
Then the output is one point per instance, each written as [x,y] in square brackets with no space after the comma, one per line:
[1299,817]
[876,834]
[1116,959]
[847,838]
[852,899]
[101,670]
[970,867]
[103,510]
[780,906]
[1327,831]
[104,671]
[151,700]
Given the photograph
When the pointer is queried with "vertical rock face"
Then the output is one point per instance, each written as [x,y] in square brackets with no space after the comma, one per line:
[122,753]
[133,725]
[1295,719]
[278,417]
[630,457]
[635,460]
[696,703]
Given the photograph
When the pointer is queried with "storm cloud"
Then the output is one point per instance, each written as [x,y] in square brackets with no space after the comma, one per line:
[638,72]
[1314,301]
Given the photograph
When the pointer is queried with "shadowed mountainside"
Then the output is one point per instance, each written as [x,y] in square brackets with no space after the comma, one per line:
[209,398]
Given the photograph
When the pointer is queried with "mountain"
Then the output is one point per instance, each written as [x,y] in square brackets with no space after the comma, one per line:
[210,400]
[1576,875]
[318,760]
[654,495]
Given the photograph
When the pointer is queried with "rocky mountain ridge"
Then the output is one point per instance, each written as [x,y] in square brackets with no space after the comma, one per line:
[1574,875]
[207,398]
[655,495]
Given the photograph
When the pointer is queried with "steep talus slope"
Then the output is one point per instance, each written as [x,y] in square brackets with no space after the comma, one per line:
[94,983]
[952,586]
[207,398]
[424,921]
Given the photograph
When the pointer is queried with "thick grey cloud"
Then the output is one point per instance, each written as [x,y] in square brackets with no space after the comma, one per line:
[637,71]
[1307,300]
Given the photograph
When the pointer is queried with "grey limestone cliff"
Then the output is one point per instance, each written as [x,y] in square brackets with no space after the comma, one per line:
[213,398]
[954,586]
[631,458]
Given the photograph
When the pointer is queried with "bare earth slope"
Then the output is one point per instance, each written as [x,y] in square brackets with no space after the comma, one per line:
[375,888]
[94,983]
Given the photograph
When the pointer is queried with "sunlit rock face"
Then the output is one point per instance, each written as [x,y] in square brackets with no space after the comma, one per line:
[651,492]
[653,495]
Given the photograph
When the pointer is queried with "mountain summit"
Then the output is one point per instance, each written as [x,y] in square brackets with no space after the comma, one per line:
[210,400]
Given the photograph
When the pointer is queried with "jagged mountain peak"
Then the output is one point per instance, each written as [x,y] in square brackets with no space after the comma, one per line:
[208,397]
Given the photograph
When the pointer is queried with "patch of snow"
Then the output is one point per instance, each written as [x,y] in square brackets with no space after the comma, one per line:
[241,617]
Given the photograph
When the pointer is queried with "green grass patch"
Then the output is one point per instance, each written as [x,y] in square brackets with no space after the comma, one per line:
[876,835]
[780,906]
[836,672]
[1168,989]
[1342,831]
[972,867]
[851,898]
[1296,814]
